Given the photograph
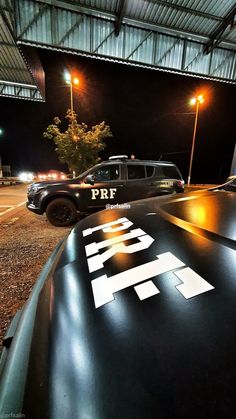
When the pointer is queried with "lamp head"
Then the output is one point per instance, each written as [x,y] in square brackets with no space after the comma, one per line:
[75,81]
[193,101]
[199,99]
[67,77]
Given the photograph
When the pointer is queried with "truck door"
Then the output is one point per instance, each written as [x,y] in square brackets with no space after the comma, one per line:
[108,187]
[139,181]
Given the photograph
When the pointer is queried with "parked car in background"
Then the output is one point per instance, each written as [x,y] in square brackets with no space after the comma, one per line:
[133,317]
[115,181]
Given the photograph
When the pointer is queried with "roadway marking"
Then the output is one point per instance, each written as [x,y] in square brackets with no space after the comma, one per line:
[10,207]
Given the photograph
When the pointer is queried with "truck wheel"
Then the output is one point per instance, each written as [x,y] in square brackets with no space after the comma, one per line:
[61,212]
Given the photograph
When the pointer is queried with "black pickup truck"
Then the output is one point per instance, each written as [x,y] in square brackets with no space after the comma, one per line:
[111,182]
[133,316]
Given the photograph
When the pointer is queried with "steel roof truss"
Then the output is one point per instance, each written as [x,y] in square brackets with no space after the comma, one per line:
[233,68]
[3,14]
[216,36]
[34,93]
[180,8]
[35,18]
[10,11]
[122,18]
[196,58]
[95,11]
[69,32]
[119,17]
[125,37]
[227,57]
[18,91]
[139,45]
[183,58]
[87,10]
[103,41]
[141,24]
[176,41]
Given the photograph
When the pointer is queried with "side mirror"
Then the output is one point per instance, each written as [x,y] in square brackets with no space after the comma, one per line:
[89,179]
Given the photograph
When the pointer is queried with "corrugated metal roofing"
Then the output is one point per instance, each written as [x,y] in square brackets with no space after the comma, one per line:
[106,5]
[13,66]
[195,37]
[16,78]
[200,17]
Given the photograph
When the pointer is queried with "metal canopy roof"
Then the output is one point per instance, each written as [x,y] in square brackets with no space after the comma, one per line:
[193,37]
[17,74]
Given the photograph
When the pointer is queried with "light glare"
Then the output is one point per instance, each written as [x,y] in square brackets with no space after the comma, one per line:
[67,77]
[199,99]
[26,177]
[193,101]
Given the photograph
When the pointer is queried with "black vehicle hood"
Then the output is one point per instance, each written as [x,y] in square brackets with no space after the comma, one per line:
[166,356]
[46,183]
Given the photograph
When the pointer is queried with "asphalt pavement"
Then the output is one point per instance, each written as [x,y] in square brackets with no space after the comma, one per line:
[12,200]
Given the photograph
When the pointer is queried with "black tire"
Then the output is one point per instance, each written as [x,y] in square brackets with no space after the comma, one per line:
[61,212]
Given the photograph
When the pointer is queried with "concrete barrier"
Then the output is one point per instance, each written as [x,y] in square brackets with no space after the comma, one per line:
[9,180]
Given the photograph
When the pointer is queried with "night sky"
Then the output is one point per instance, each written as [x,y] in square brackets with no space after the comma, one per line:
[147,110]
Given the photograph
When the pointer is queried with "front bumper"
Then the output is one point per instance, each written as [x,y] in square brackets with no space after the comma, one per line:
[33,208]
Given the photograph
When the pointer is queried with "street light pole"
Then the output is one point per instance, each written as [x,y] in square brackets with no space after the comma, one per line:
[196,101]
[71,81]
[71,97]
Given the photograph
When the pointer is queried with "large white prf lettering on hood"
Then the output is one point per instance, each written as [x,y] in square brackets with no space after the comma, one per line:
[105,287]
[117,246]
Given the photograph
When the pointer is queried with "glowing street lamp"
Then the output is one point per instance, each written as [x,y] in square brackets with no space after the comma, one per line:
[72,81]
[194,101]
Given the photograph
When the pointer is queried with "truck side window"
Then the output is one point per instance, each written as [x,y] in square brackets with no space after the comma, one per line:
[149,171]
[136,171]
[167,172]
[107,173]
